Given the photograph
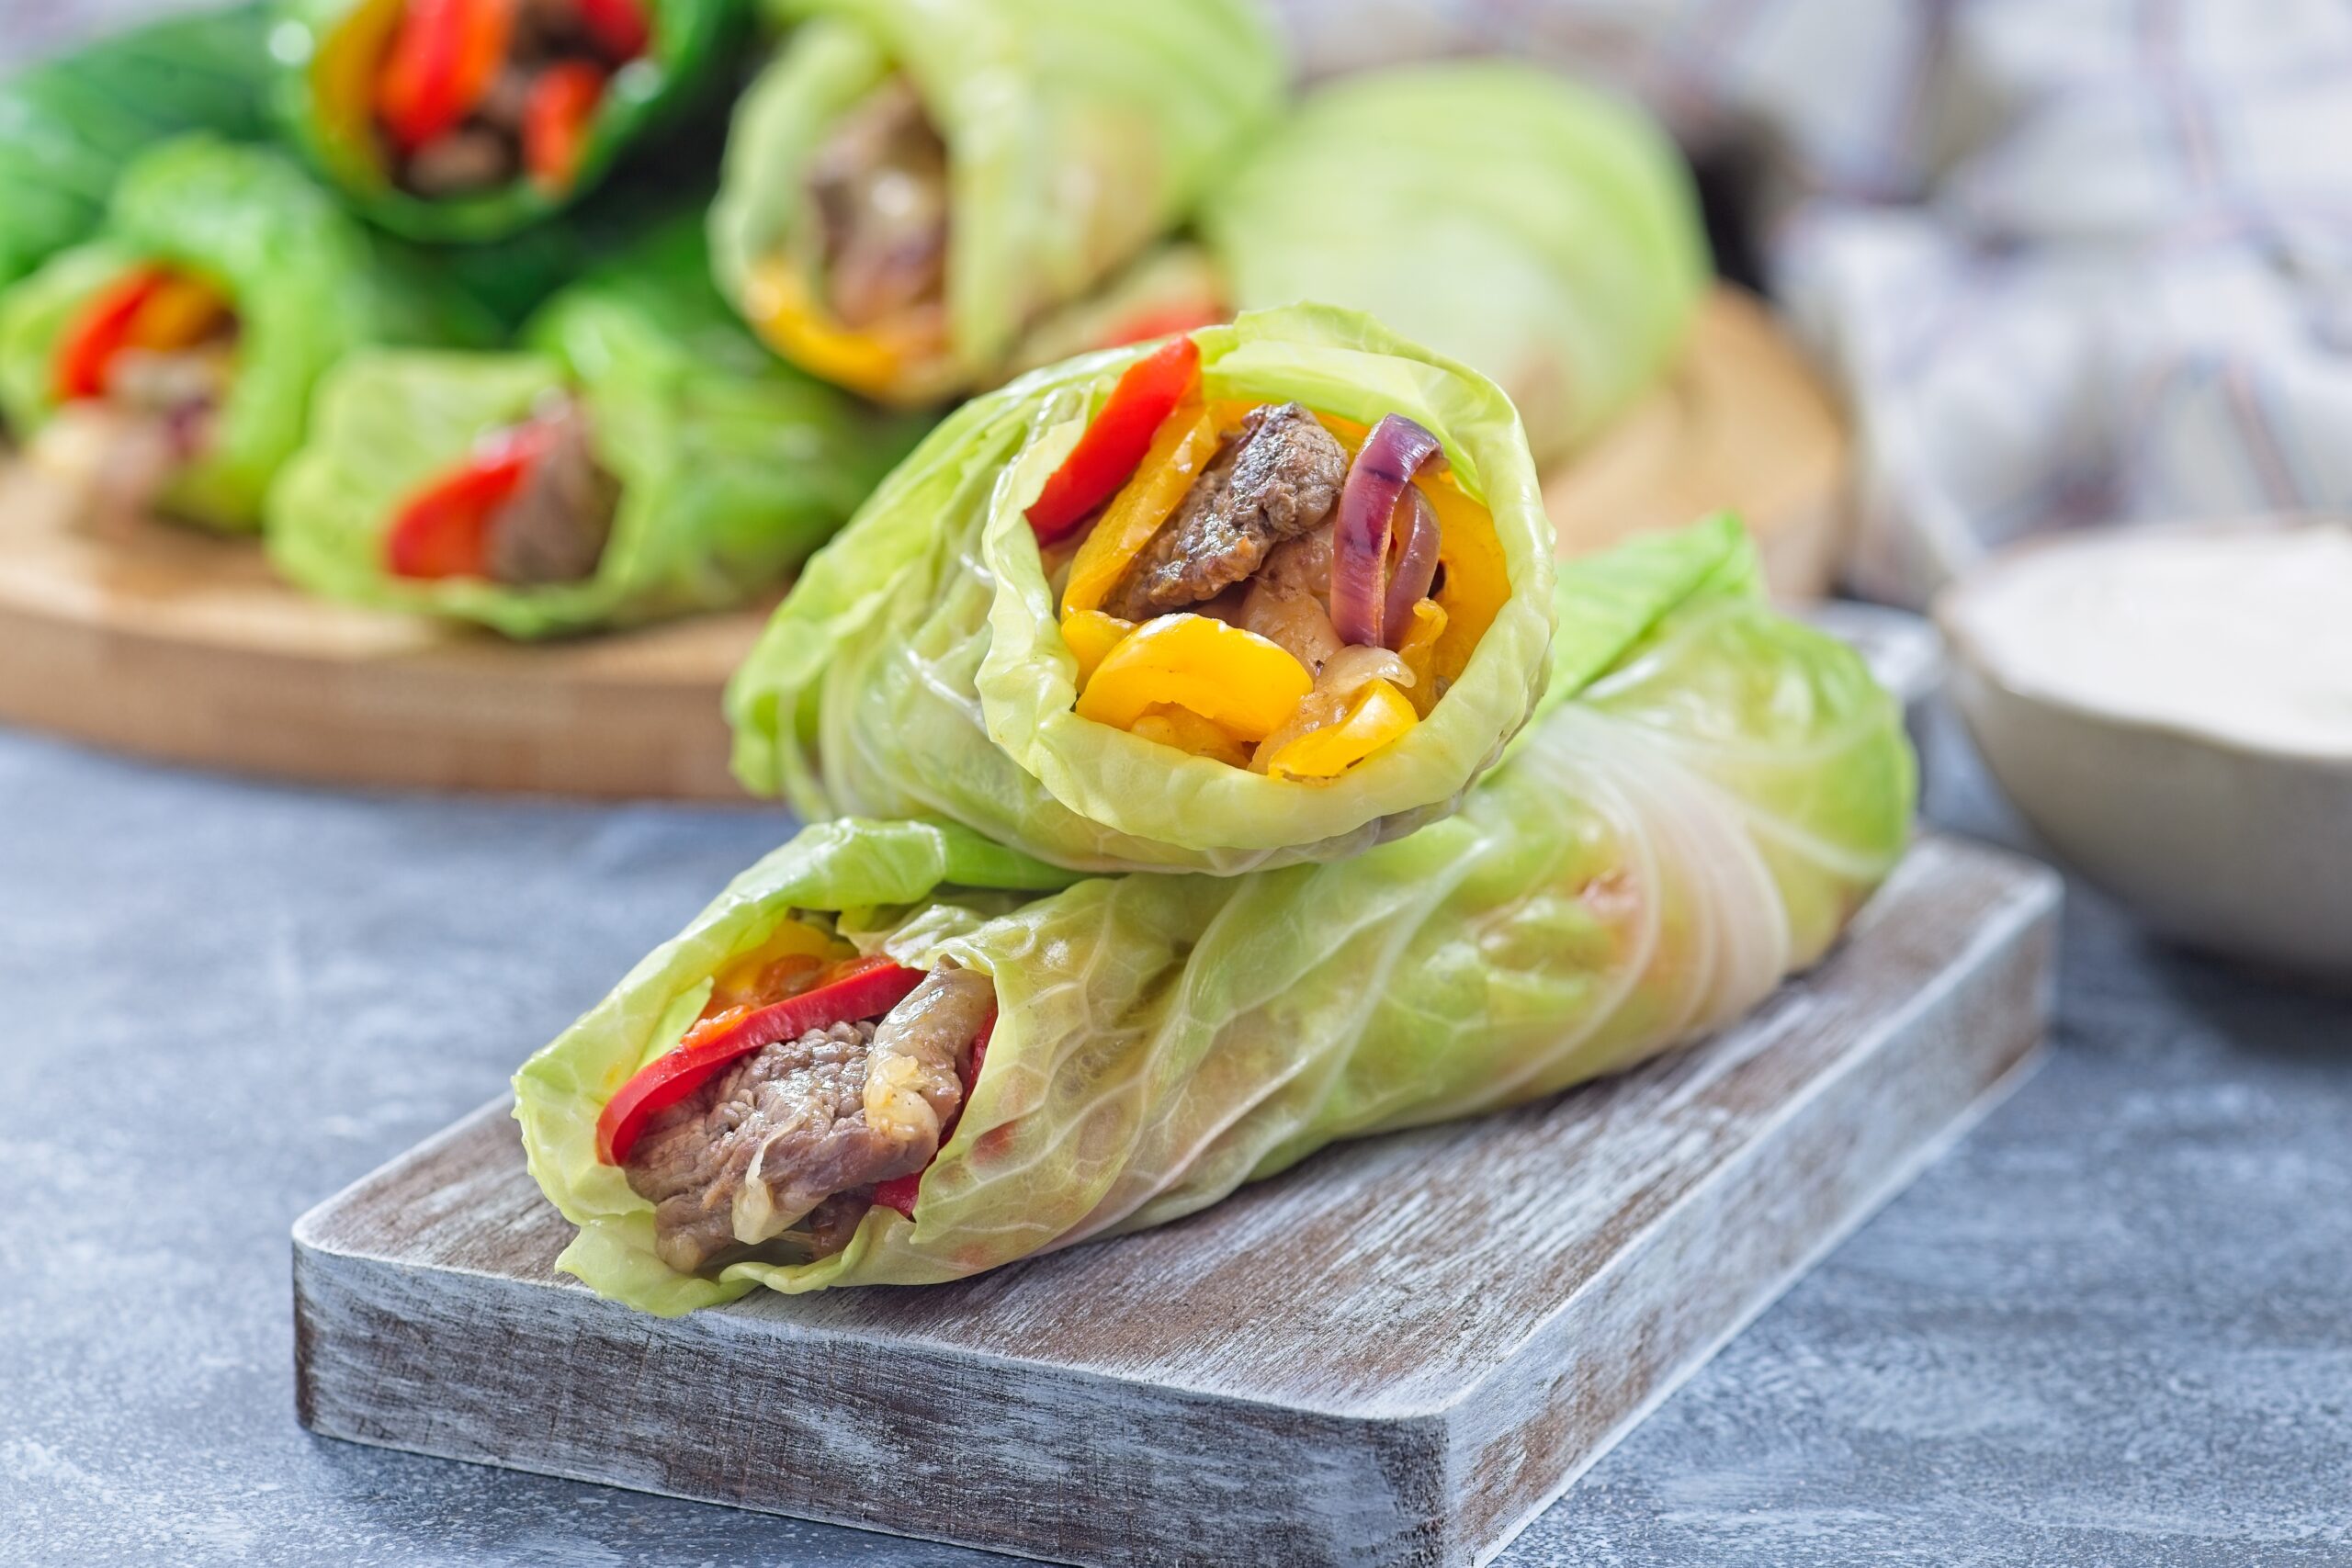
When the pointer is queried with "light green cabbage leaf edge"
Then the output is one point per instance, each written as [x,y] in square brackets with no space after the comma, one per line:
[917,669]
[1714,791]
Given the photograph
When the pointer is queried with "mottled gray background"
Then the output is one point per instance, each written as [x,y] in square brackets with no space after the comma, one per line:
[2111,1328]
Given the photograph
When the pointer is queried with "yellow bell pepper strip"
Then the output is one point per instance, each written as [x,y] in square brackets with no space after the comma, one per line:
[343,84]
[1185,445]
[1166,724]
[1091,635]
[1418,650]
[1118,439]
[1236,680]
[1379,715]
[872,362]
[1474,581]
[760,972]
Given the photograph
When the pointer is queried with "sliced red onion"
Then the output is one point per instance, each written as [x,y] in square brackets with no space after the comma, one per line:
[1415,565]
[1391,454]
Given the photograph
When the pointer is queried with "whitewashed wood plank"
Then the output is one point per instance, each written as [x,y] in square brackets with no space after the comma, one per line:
[1396,1354]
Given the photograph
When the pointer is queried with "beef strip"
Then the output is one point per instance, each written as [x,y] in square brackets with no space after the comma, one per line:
[474,157]
[878,187]
[796,1134]
[1279,478]
[555,527]
[1289,601]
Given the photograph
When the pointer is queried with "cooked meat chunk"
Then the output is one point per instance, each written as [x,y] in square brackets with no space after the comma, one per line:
[1289,601]
[793,1137]
[474,157]
[878,187]
[1279,478]
[913,1081]
[555,527]
[736,1163]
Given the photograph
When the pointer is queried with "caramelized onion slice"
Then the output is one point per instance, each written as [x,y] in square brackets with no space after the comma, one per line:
[1391,454]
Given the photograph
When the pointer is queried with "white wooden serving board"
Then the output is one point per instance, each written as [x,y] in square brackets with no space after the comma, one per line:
[167,642]
[1397,1353]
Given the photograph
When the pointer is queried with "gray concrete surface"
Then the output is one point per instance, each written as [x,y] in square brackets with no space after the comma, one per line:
[2111,1328]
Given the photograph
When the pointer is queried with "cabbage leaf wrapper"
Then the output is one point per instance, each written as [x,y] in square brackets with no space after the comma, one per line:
[308,283]
[1542,232]
[69,125]
[327,52]
[1697,817]
[1076,132]
[730,466]
[917,669]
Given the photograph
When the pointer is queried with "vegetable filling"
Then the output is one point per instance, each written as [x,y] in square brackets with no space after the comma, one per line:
[1261,584]
[862,295]
[468,96]
[139,373]
[530,506]
[811,1089]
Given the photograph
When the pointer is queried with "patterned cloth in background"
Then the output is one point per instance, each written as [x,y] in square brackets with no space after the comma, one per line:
[2073,261]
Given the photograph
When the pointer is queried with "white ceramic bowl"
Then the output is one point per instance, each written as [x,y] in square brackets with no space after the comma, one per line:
[2215,832]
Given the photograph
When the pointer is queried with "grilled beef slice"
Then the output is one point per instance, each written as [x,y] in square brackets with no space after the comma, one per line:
[555,528]
[878,187]
[785,1135]
[1276,481]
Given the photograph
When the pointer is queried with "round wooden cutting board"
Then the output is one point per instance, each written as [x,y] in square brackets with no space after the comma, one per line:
[169,643]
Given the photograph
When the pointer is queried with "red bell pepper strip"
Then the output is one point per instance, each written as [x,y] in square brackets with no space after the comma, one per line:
[100,331]
[441,63]
[864,989]
[1115,444]
[556,116]
[899,1192]
[618,27]
[443,529]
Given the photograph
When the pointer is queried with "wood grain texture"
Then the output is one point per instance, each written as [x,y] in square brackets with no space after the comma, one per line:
[169,643]
[1396,1354]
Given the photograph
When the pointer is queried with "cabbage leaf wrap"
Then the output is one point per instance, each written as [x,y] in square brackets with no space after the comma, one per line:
[732,467]
[308,282]
[325,55]
[70,124]
[1077,134]
[1699,814]
[917,669]
[1544,233]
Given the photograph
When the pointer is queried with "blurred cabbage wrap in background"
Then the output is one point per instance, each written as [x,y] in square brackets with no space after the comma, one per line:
[732,467]
[1544,232]
[69,125]
[327,52]
[917,669]
[308,283]
[1697,815]
[1077,132]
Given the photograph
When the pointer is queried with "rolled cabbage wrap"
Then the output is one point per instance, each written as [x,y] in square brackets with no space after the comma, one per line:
[1544,233]
[638,454]
[1174,607]
[909,186]
[171,359]
[68,125]
[883,1056]
[469,119]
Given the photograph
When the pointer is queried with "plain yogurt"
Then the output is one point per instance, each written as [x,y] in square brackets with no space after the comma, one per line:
[2245,633]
